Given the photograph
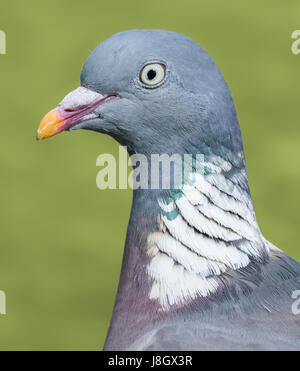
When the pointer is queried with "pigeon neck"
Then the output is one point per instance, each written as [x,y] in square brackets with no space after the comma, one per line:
[182,244]
[204,230]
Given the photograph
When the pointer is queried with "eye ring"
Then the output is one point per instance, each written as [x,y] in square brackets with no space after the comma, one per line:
[152,74]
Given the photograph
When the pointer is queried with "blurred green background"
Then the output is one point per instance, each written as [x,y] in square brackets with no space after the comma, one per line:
[61,239]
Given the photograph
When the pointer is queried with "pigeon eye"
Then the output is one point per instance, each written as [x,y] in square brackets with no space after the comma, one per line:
[152,74]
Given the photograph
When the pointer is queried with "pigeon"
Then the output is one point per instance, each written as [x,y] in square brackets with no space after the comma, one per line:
[197,273]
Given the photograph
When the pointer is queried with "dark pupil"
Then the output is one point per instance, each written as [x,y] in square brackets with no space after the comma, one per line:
[151,74]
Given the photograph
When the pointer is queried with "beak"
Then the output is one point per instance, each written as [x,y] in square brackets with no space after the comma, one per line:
[76,107]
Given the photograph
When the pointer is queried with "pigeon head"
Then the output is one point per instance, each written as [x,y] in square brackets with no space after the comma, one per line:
[153,91]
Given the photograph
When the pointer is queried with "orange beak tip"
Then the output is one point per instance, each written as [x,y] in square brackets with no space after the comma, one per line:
[51,124]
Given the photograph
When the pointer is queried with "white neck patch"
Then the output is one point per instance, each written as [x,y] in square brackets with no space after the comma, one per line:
[206,229]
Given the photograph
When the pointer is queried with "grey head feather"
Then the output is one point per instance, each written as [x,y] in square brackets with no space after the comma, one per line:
[194,99]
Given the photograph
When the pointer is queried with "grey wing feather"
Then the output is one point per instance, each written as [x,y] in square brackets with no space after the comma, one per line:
[263,320]
[271,335]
